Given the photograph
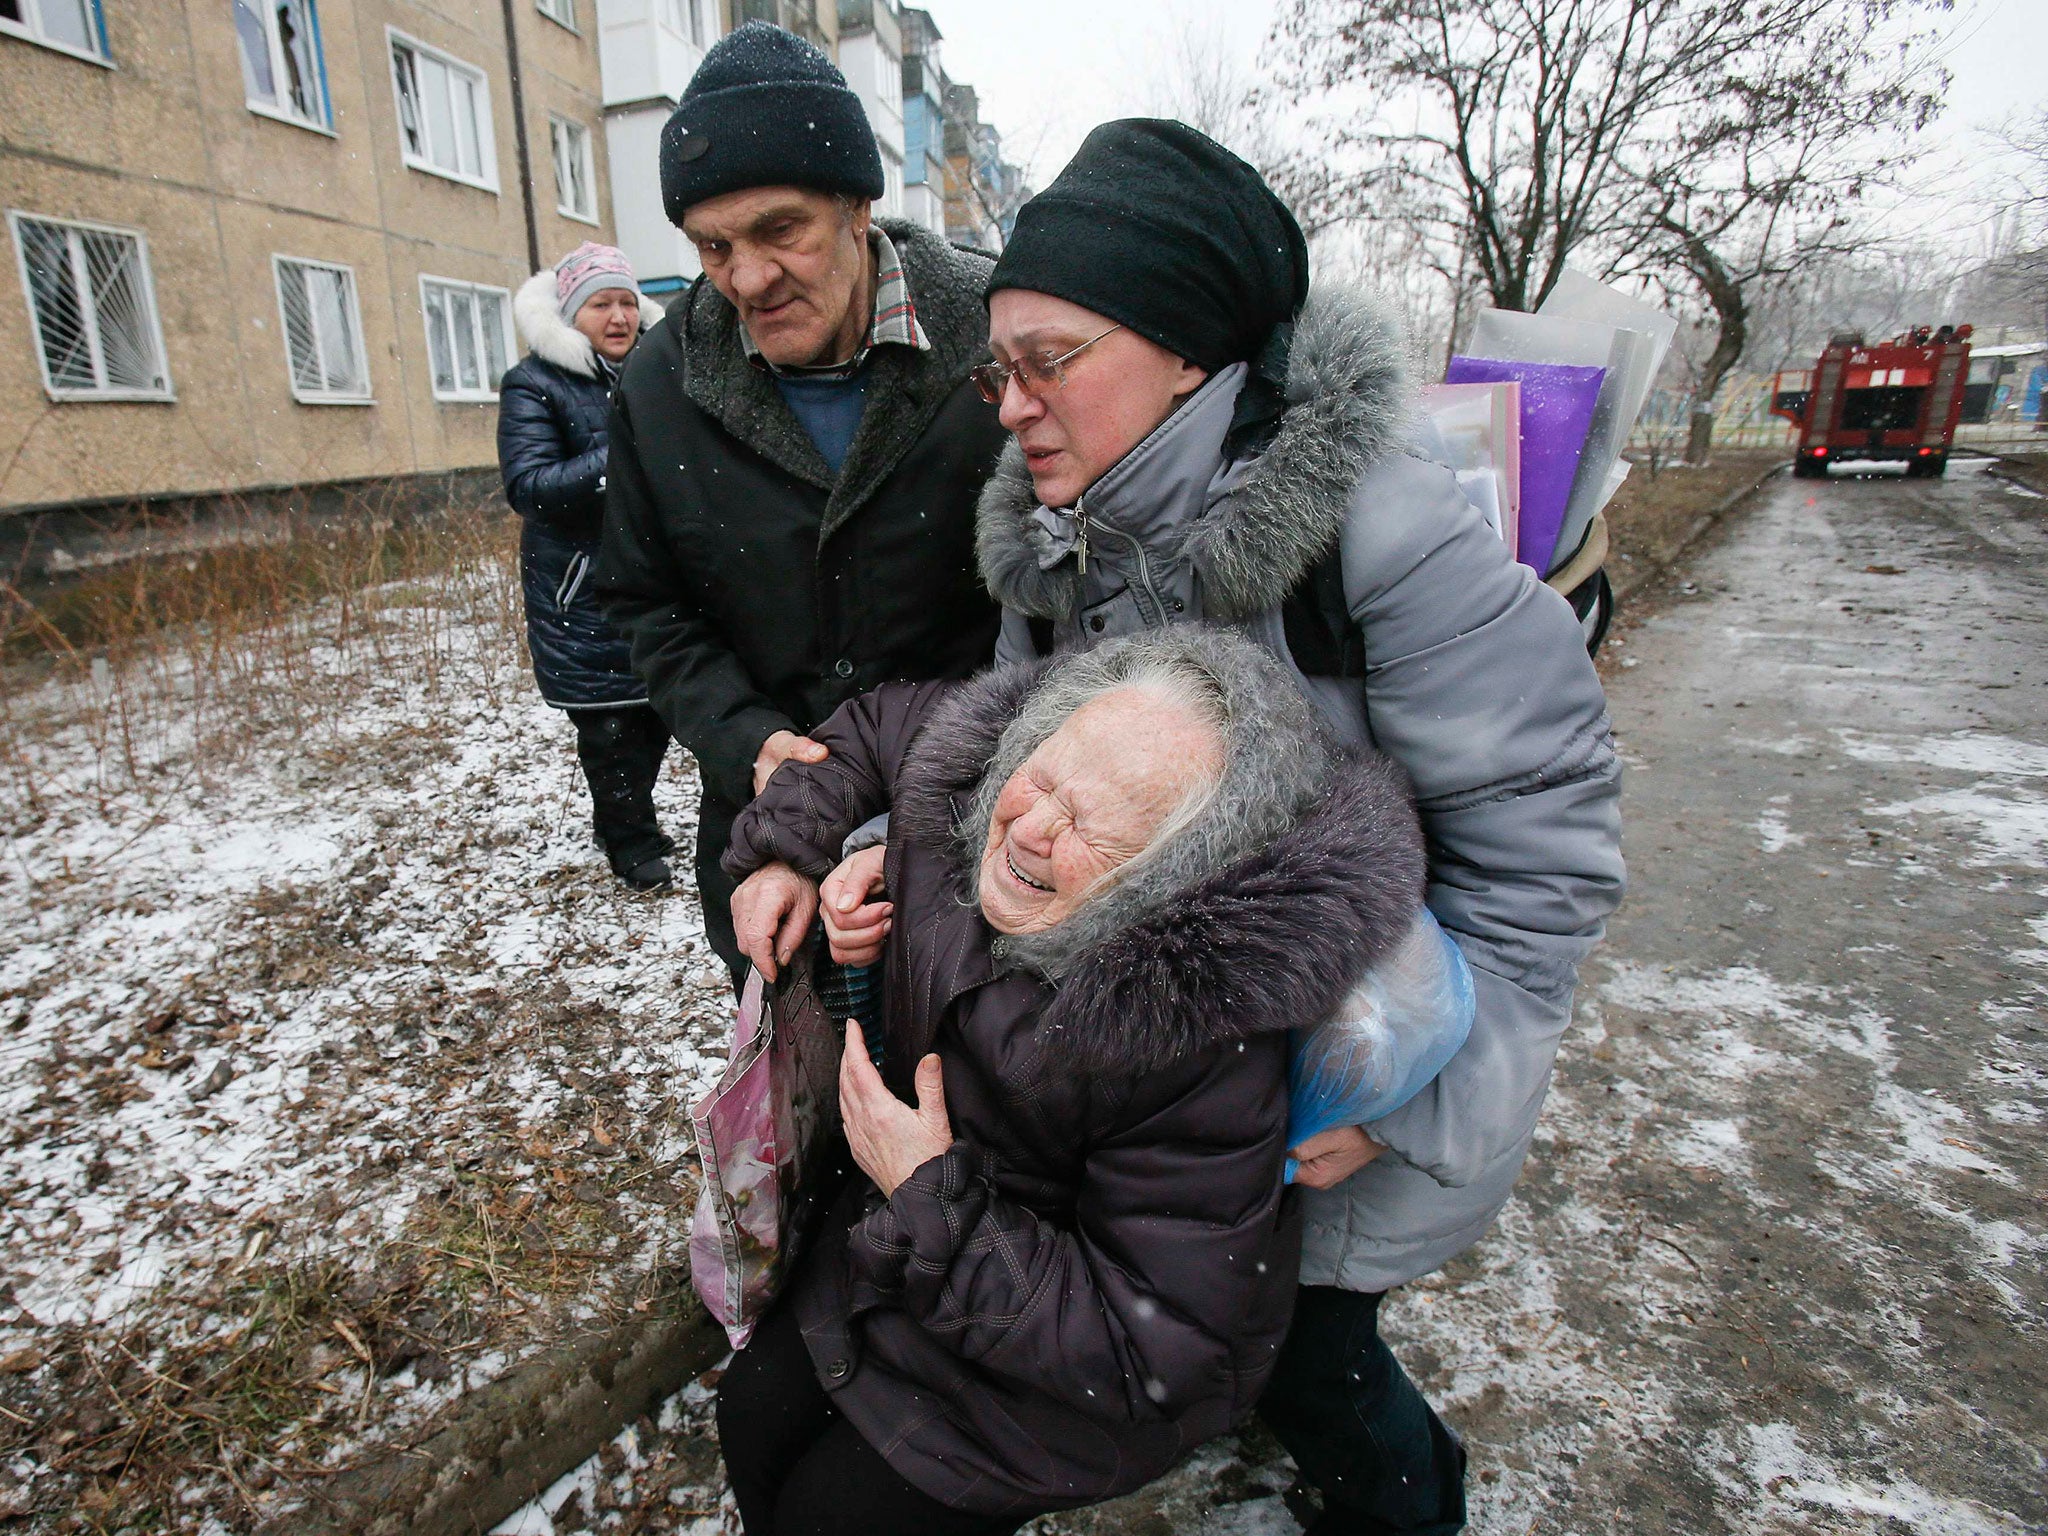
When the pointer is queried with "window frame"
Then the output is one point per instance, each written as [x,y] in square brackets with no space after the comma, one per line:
[64,394]
[366,396]
[683,19]
[32,32]
[486,132]
[568,23]
[489,392]
[268,11]
[558,124]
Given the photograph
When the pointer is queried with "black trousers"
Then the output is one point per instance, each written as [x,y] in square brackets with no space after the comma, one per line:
[797,1468]
[621,752]
[1358,1428]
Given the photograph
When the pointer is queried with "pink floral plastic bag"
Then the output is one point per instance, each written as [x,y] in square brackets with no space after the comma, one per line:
[759,1132]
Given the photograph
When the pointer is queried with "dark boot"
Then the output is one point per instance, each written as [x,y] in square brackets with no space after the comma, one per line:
[1358,1428]
[621,751]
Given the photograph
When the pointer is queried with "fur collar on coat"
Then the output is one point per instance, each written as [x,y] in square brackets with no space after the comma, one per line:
[1268,942]
[1349,405]
[552,339]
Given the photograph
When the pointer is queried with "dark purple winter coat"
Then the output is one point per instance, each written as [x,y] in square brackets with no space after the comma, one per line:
[1096,1276]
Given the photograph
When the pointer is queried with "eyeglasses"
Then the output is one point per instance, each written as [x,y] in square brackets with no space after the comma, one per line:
[1036,376]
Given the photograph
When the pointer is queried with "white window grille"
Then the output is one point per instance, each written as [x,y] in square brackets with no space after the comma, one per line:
[93,310]
[283,73]
[323,332]
[563,11]
[444,114]
[469,338]
[575,170]
[71,26]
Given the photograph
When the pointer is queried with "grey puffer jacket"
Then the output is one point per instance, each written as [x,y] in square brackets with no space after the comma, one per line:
[1459,664]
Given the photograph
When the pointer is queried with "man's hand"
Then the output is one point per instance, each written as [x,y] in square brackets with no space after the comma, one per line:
[771,913]
[779,749]
[1324,1161]
[854,926]
[890,1140]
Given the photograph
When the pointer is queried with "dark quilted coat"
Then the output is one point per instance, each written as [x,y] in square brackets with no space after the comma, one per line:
[552,444]
[554,407]
[1096,1276]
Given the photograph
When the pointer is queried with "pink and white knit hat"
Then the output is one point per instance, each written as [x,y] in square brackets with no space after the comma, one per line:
[588,269]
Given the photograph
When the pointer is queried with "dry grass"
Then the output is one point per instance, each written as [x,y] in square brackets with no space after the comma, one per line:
[338,664]
[176,666]
[124,1426]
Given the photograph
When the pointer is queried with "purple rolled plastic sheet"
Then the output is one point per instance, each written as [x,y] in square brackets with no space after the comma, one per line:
[1557,408]
[759,1132]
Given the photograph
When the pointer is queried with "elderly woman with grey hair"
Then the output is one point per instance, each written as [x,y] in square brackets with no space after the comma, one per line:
[1118,880]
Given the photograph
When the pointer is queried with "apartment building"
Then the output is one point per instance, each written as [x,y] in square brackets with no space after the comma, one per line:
[261,246]
[260,243]
[983,191]
[871,58]
[924,122]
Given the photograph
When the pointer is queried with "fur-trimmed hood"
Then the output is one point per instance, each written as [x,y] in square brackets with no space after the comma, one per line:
[1247,532]
[544,333]
[1155,969]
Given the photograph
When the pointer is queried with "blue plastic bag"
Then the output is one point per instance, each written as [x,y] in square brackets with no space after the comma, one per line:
[1392,1033]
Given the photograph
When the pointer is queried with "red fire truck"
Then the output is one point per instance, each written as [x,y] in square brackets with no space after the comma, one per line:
[1895,402]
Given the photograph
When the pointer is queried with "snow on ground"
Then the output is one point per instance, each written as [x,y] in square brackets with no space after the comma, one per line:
[356,1017]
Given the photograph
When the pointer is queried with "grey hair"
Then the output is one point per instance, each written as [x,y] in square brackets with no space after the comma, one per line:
[1277,761]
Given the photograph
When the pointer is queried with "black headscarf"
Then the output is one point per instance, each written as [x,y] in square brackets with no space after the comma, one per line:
[1162,229]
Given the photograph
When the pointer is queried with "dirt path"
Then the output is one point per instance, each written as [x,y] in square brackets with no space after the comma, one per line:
[1776,1265]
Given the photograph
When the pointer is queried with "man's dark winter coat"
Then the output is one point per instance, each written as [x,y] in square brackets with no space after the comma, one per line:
[1096,1276]
[758,591]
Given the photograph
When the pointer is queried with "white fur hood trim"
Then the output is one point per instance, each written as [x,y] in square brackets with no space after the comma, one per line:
[554,340]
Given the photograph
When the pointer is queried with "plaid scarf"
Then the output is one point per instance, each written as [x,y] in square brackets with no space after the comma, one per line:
[895,322]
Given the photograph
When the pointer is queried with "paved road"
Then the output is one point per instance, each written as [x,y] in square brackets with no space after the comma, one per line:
[1777,1264]
[1776,1267]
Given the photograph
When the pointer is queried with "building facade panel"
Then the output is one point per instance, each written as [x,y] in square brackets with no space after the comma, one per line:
[140,116]
[291,440]
[165,143]
[93,448]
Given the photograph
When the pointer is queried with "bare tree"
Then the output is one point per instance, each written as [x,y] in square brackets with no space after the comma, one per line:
[1197,80]
[2022,193]
[1766,177]
[1498,126]
[1713,139]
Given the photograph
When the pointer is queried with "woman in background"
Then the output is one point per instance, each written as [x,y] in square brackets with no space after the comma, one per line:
[578,321]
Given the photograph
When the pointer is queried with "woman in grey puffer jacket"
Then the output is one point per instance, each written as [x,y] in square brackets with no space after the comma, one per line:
[1198,438]
[579,320]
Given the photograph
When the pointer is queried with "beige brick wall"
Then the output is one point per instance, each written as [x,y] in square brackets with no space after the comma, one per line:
[164,143]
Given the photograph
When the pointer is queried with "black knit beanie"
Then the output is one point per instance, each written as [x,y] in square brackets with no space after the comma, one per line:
[1164,230]
[766,109]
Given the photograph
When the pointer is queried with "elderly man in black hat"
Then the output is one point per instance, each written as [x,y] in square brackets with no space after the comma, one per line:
[796,450]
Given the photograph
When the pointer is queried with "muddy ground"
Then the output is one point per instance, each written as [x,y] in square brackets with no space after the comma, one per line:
[1775,1267]
[1776,1264]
